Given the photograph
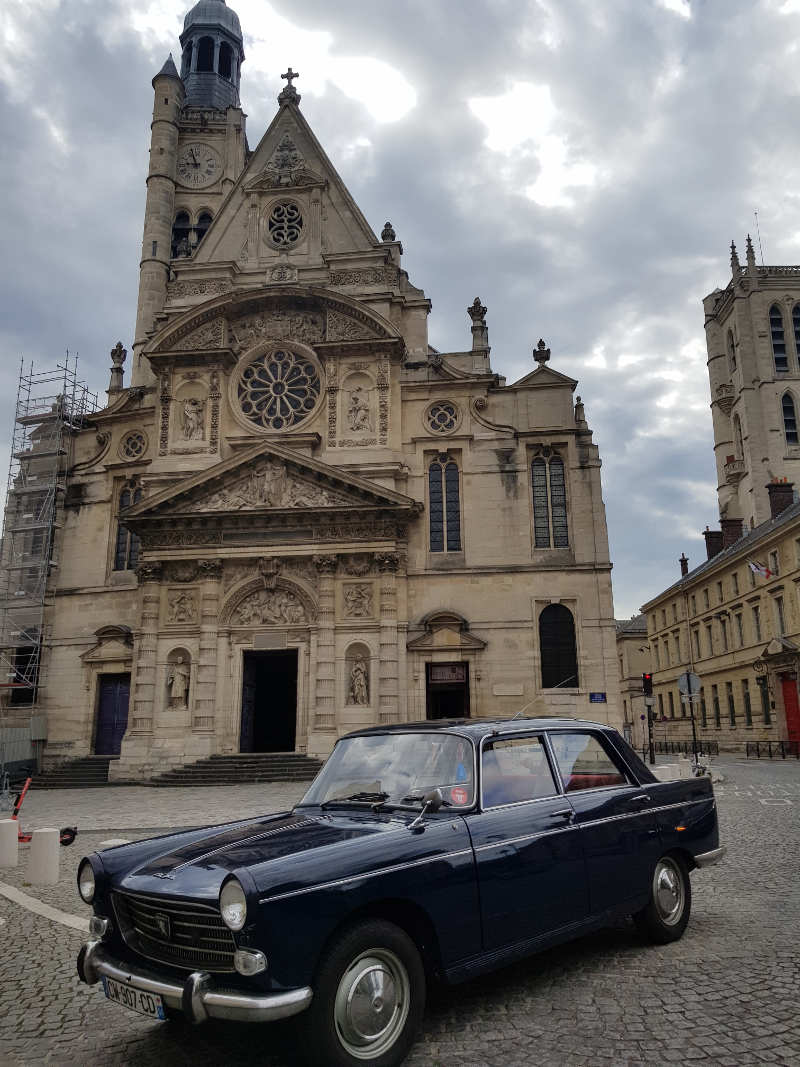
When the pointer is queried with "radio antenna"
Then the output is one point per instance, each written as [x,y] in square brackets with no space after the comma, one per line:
[758,236]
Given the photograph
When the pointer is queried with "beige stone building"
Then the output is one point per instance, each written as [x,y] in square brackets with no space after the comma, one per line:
[633,655]
[299,518]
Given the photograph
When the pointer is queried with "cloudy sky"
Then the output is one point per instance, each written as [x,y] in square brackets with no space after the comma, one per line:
[582,165]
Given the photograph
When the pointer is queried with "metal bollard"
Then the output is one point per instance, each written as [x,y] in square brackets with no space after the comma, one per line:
[43,868]
[9,844]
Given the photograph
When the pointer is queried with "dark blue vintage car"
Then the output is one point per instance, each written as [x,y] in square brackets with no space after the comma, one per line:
[424,852]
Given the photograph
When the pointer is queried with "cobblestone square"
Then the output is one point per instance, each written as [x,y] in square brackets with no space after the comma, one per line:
[725,994]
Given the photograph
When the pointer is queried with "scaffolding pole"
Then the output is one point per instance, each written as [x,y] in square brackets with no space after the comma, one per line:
[52,407]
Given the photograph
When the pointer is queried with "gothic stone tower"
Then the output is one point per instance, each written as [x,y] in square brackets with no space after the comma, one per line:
[753,339]
[300,518]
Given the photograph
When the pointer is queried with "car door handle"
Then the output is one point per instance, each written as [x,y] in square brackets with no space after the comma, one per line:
[640,799]
[562,813]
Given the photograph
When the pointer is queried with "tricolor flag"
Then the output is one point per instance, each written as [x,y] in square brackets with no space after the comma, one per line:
[759,569]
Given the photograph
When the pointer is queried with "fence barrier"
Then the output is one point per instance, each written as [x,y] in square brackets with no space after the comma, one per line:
[684,747]
[773,749]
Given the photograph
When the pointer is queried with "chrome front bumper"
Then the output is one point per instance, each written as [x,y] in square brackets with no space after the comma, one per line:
[197,998]
[705,859]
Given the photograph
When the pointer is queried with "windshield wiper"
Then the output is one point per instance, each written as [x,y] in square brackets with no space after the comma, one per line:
[417,798]
[357,798]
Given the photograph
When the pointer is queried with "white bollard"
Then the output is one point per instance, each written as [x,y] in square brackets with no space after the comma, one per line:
[9,844]
[43,868]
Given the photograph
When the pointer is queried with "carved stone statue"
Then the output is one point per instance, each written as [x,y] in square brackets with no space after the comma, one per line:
[180,606]
[192,419]
[358,409]
[358,693]
[178,681]
[357,601]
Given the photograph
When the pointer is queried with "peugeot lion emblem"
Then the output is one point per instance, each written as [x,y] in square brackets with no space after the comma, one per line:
[163,924]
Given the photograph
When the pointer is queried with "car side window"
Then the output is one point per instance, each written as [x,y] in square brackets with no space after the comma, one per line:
[584,762]
[514,770]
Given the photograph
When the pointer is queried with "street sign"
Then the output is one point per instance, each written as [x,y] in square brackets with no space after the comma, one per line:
[597,698]
[689,683]
[649,701]
[693,699]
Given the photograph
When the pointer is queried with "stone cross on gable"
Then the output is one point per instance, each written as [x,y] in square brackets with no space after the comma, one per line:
[541,353]
[289,93]
[289,77]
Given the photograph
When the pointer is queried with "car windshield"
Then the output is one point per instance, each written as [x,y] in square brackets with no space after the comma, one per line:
[396,769]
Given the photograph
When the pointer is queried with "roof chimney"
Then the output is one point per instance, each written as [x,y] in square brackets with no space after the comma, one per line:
[731,531]
[713,542]
[684,562]
[781,496]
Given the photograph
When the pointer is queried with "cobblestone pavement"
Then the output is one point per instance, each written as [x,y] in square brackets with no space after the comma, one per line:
[725,994]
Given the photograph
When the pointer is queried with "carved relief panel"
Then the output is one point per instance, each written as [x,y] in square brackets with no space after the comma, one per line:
[357,417]
[181,606]
[358,600]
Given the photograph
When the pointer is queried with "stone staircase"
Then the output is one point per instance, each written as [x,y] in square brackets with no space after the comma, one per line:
[242,768]
[84,773]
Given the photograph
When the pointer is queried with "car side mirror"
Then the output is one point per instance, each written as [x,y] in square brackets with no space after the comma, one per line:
[433,800]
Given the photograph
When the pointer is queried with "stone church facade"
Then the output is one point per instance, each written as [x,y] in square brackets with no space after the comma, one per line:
[299,518]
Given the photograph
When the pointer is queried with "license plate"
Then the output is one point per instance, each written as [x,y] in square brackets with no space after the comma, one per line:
[149,1004]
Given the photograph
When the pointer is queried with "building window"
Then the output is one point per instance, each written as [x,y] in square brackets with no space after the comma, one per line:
[780,618]
[696,643]
[735,581]
[674,612]
[720,595]
[723,626]
[789,419]
[715,703]
[693,601]
[796,328]
[764,689]
[778,338]
[204,220]
[676,641]
[706,603]
[225,60]
[661,705]
[737,434]
[549,503]
[751,573]
[444,505]
[666,653]
[731,706]
[671,704]
[739,629]
[181,228]
[557,647]
[710,638]
[731,351]
[205,55]
[797,551]
[663,616]
[703,709]
[757,622]
[126,551]
[655,655]
[774,564]
[748,711]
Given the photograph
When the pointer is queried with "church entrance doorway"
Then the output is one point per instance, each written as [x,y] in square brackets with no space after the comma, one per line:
[447,690]
[112,713]
[269,702]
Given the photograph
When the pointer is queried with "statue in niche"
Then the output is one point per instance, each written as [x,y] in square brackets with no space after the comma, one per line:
[357,601]
[178,682]
[358,409]
[358,692]
[181,607]
[192,419]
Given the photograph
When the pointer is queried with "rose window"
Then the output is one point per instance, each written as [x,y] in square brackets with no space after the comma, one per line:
[285,224]
[134,446]
[279,389]
[443,417]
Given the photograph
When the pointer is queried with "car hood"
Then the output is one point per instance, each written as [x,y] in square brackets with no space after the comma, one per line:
[273,849]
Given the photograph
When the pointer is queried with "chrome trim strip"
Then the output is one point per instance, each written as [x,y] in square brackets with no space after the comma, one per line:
[95,961]
[367,874]
[706,859]
[528,837]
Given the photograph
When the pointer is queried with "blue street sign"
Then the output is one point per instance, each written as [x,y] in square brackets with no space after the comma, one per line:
[597,698]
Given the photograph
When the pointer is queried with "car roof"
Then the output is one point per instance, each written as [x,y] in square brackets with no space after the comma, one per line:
[480,728]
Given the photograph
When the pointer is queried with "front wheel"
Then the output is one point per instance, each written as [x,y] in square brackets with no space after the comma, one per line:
[667,913]
[369,996]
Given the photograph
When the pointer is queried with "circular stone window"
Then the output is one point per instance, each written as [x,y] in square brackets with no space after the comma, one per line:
[443,417]
[285,224]
[278,389]
[133,446]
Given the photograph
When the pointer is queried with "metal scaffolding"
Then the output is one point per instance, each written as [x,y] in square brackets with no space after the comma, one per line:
[52,407]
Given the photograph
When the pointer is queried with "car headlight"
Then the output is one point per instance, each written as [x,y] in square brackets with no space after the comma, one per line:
[86,881]
[233,904]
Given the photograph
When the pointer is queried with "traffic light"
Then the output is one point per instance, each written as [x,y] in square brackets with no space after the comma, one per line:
[647,685]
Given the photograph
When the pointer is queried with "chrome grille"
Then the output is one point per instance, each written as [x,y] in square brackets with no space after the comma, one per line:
[187,935]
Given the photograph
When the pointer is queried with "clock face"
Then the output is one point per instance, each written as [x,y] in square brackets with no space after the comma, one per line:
[197,165]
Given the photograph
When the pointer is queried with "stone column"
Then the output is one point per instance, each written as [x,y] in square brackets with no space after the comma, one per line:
[144,692]
[388,672]
[205,699]
[325,695]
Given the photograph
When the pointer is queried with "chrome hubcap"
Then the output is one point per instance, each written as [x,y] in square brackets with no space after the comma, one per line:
[668,892]
[371,1004]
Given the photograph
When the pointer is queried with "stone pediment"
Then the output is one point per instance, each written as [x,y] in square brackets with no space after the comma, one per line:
[446,631]
[543,377]
[270,478]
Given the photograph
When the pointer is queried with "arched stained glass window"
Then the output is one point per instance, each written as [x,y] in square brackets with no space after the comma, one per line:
[778,338]
[548,483]
[789,419]
[126,551]
[557,647]
[444,506]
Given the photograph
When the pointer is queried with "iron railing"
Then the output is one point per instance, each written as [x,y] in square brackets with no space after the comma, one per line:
[684,747]
[773,749]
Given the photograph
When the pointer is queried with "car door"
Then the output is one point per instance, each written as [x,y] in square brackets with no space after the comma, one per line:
[528,855]
[614,815]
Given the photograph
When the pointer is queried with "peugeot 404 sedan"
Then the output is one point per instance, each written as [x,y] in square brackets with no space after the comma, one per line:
[423,852]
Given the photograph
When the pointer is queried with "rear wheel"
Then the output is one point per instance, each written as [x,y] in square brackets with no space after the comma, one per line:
[369,996]
[667,913]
